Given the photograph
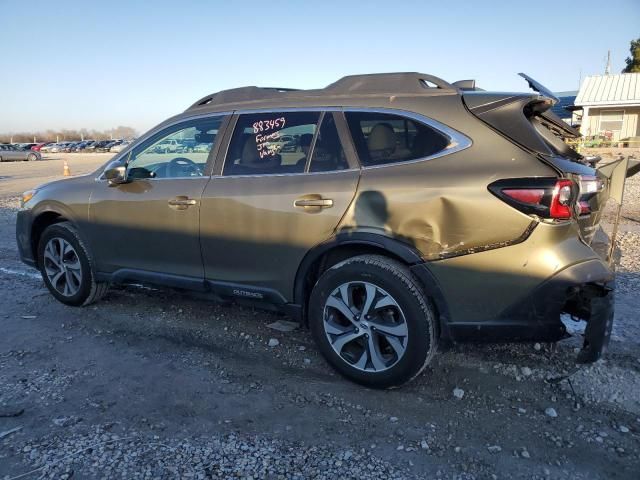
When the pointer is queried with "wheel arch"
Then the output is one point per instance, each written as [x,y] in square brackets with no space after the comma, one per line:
[41,220]
[341,247]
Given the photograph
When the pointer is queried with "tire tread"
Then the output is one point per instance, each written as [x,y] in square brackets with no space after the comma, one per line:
[98,289]
[403,275]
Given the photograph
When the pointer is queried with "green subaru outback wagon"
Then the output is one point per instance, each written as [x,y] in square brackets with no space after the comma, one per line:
[390,213]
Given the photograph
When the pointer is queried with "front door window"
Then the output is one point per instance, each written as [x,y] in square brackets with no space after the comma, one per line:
[180,151]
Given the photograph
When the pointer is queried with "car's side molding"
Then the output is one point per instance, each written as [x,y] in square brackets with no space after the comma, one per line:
[220,288]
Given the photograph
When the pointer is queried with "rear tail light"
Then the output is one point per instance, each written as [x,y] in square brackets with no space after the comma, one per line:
[561,200]
[590,186]
[545,197]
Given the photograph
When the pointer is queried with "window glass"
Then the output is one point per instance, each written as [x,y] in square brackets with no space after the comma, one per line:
[328,153]
[382,138]
[271,143]
[611,120]
[180,151]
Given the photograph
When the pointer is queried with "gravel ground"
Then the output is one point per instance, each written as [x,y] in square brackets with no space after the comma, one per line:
[153,383]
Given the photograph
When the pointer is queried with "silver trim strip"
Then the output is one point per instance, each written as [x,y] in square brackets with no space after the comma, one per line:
[286,109]
[457,140]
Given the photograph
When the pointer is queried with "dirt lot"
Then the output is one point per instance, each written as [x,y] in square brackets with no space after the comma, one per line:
[154,384]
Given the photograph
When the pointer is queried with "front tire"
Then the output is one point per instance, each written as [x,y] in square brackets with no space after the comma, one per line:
[372,321]
[67,266]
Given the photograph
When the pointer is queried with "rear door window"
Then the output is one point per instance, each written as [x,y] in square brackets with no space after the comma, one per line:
[271,143]
[382,138]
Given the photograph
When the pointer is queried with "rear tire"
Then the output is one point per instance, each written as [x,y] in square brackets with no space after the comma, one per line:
[32,157]
[386,335]
[66,266]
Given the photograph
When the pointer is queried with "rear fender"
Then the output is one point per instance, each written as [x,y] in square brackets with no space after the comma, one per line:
[384,245]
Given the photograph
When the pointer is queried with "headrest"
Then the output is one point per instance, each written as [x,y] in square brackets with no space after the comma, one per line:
[249,154]
[381,141]
[305,139]
[251,158]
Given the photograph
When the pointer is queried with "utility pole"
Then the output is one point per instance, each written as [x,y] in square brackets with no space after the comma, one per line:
[579,78]
[607,69]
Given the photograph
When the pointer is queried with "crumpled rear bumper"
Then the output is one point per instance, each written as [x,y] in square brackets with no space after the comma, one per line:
[598,305]
[584,290]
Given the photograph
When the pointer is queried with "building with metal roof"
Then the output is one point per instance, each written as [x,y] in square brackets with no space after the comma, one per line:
[610,105]
[566,106]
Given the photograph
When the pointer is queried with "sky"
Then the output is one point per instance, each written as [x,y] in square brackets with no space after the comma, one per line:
[83,64]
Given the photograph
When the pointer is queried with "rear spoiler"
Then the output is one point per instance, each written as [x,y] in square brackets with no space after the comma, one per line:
[538,87]
[551,118]
[518,116]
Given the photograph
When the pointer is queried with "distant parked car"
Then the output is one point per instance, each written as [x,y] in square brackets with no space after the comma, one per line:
[24,146]
[91,147]
[168,146]
[120,147]
[10,153]
[81,146]
[47,147]
[58,147]
[187,145]
[69,147]
[55,148]
[100,146]
[202,148]
[37,146]
[106,145]
[289,143]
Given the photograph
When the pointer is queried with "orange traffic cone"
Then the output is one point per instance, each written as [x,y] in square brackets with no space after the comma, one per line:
[66,171]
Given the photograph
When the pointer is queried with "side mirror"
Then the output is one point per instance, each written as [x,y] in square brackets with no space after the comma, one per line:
[116,173]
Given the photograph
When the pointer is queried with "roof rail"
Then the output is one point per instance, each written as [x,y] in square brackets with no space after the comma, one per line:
[380,83]
[411,82]
[242,94]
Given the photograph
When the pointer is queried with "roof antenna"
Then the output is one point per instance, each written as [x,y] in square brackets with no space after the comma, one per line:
[607,69]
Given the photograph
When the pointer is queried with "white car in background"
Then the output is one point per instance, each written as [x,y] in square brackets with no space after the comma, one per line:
[120,147]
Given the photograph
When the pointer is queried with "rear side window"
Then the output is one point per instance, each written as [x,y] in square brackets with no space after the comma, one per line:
[271,143]
[382,138]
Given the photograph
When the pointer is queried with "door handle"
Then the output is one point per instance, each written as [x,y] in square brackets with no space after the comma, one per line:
[314,202]
[182,202]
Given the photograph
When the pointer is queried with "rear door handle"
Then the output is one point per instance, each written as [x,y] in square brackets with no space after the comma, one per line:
[314,202]
[182,202]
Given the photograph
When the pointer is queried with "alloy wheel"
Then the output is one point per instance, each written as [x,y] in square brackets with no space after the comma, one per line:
[365,326]
[62,266]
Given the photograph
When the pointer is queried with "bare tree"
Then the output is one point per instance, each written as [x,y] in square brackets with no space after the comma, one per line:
[68,135]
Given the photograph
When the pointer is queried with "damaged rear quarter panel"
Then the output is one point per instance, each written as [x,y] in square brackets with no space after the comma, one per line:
[441,206]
